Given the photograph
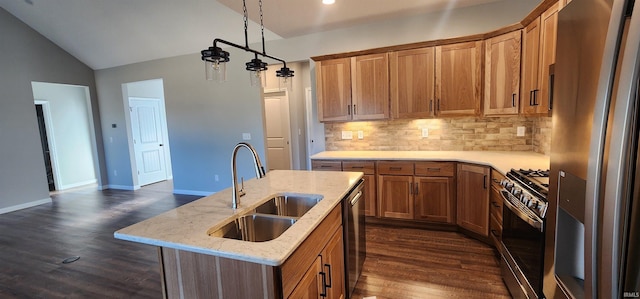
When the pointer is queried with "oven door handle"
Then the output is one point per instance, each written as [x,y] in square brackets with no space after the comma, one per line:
[536,223]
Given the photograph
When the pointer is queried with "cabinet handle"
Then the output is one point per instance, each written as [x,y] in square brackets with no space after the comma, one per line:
[495,204]
[433,169]
[355,111]
[535,97]
[395,168]
[357,167]
[495,233]
[328,274]
[531,98]
[410,188]
[417,190]
[438,105]
[513,100]
[551,88]
[348,109]
[430,105]
[325,166]
[495,181]
[324,285]
[484,181]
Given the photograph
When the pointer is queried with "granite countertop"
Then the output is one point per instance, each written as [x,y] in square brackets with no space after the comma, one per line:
[501,161]
[186,227]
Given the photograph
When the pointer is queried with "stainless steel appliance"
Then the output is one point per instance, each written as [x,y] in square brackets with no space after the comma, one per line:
[592,237]
[354,236]
[524,195]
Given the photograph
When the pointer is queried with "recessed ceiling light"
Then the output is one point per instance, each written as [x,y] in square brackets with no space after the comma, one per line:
[327,2]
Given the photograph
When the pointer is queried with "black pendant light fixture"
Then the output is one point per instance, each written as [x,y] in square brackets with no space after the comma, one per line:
[215,58]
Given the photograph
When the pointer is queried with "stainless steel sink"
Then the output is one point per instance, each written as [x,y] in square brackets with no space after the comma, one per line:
[292,205]
[254,228]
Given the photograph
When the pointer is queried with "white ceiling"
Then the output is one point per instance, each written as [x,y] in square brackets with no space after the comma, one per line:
[108,33]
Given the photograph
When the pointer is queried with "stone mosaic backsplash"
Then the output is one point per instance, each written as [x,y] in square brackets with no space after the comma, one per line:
[446,134]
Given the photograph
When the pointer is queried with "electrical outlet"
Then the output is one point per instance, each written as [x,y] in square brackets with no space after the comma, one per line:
[246,136]
[425,133]
[216,178]
[347,135]
[520,131]
[115,173]
[360,135]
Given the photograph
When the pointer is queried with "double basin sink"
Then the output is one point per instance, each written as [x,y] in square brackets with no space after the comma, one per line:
[269,220]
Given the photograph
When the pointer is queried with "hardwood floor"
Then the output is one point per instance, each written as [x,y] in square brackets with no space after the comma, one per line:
[416,263]
[401,263]
[35,241]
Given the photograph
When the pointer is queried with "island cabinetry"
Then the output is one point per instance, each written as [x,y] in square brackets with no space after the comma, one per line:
[459,79]
[473,198]
[538,53]
[366,167]
[502,74]
[353,88]
[495,209]
[412,82]
[187,274]
[417,190]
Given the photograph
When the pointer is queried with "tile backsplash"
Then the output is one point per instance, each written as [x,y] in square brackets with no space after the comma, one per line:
[446,134]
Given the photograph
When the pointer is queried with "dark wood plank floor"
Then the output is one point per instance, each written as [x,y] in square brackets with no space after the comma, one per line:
[401,263]
[416,263]
[35,241]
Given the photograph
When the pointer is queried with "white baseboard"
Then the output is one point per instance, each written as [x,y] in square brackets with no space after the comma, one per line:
[25,205]
[78,184]
[121,187]
[192,192]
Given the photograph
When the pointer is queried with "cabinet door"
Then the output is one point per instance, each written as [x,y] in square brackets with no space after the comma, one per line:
[396,198]
[412,83]
[333,267]
[333,78]
[502,74]
[548,34]
[370,195]
[459,79]
[530,64]
[473,198]
[310,286]
[434,199]
[370,83]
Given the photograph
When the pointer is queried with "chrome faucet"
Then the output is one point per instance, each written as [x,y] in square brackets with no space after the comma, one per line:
[259,171]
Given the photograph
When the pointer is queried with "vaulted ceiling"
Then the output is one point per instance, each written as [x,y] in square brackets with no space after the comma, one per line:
[108,33]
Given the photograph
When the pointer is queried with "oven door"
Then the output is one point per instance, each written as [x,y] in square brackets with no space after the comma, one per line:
[523,244]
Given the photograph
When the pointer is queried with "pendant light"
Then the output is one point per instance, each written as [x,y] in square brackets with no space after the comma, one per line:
[215,58]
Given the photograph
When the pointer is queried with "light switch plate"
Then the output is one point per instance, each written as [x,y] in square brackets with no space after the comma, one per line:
[425,133]
[246,136]
[520,131]
[347,135]
[360,135]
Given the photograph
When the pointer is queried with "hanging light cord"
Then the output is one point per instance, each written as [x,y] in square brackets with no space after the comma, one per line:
[264,50]
[246,24]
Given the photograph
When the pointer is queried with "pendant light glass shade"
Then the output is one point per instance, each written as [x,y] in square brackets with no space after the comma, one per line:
[215,71]
[257,78]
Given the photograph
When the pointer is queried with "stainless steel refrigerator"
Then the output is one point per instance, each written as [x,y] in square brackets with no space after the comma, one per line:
[593,229]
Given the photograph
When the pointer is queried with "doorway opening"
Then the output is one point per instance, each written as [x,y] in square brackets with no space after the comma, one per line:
[149,150]
[67,134]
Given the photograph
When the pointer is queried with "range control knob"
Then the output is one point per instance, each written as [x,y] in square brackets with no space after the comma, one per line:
[516,191]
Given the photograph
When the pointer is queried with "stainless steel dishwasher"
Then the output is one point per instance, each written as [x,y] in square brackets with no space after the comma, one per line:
[354,236]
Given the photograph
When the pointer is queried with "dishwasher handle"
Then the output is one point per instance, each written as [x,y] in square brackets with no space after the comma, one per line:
[355,199]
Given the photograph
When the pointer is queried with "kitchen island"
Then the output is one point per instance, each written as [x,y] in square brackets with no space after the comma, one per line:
[223,267]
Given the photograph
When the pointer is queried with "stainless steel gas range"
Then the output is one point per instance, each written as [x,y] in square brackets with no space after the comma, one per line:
[524,193]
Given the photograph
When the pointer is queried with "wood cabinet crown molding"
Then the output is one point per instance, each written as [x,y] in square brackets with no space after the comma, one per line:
[532,16]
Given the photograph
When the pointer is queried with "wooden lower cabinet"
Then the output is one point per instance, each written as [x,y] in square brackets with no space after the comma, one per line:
[187,274]
[366,167]
[396,196]
[433,199]
[473,198]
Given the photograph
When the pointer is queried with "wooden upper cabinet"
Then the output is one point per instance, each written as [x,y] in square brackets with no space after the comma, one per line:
[333,89]
[539,53]
[370,86]
[412,83]
[502,74]
[459,79]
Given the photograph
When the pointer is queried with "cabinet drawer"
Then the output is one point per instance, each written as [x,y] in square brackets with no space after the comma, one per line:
[496,178]
[495,232]
[395,168]
[435,168]
[368,167]
[326,165]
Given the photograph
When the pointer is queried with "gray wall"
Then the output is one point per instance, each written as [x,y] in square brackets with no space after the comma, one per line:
[26,56]
[70,133]
[204,119]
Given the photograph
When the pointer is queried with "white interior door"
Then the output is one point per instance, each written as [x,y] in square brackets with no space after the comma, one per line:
[147,140]
[278,131]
